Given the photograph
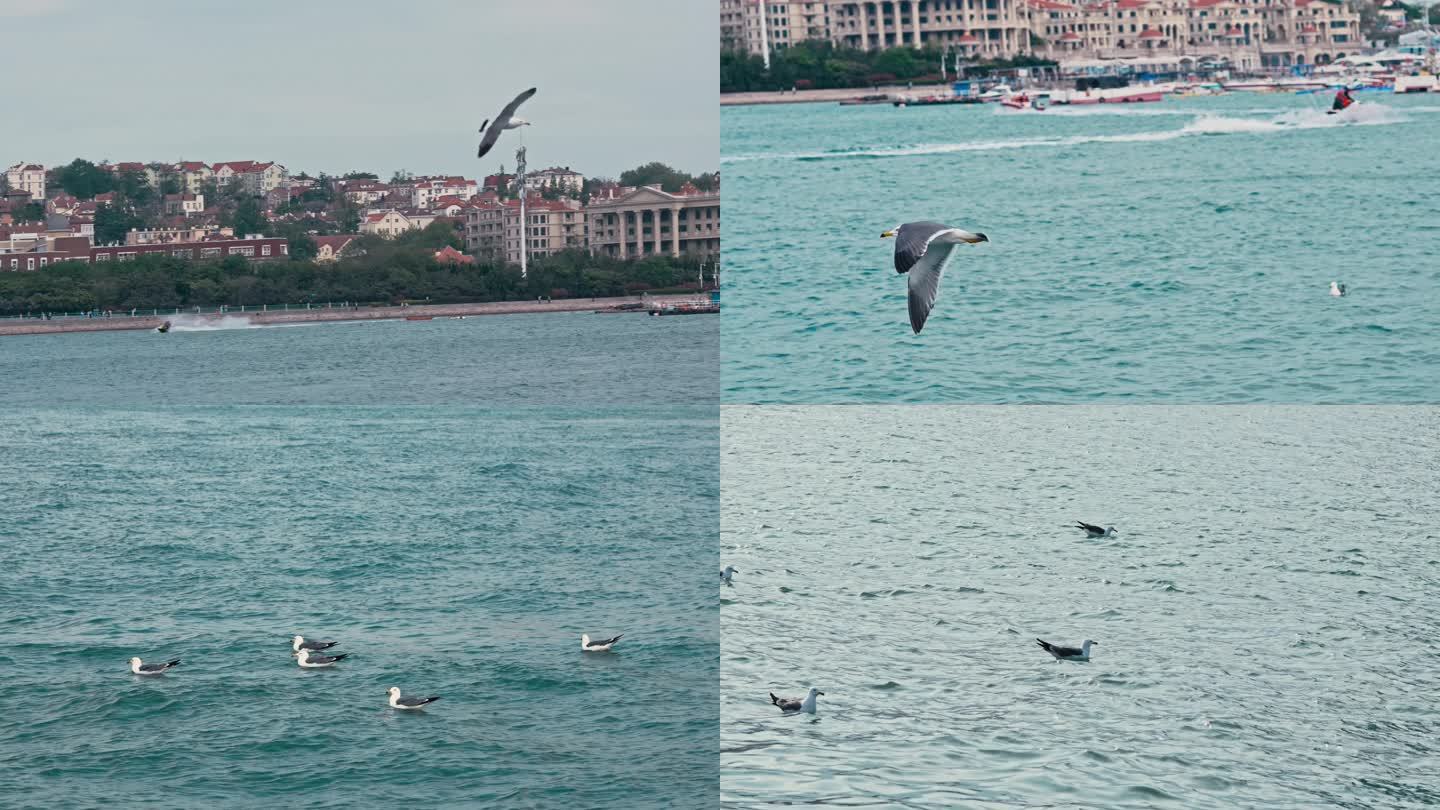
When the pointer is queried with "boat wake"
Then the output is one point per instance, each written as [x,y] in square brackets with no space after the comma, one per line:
[207,323]
[1206,124]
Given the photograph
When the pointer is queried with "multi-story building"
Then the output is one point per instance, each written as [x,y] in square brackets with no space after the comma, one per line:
[636,222]
[36,251]
[494,229]
[332,248]
[424,189]
[168,236]
[27,177]
[555,178]
[255,178]
[184,204]
[364,192]
[763,26]
[192,175]
[392,222]
[983,28]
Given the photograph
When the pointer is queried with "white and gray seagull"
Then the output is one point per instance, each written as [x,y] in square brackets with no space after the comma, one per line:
[1091,530]
[923,249]
[397,702]
[1081,653]
[806,704]
[299,643]
[310,660]
[596,646]
[141,668]
[729,572]
[490,130]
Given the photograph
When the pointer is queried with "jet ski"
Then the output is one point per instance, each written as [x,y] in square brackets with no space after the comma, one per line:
[163,328]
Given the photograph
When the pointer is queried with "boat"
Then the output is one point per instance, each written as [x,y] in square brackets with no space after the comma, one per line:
[929,101]
[1023,101]
[873,98]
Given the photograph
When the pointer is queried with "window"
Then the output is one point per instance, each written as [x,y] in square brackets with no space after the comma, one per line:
[126,256]
[209,253]
[102,257]
[265,250]
[29,264]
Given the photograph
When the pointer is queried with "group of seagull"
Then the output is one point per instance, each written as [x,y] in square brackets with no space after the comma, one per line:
[310,654]
[924,249]
[1059,652]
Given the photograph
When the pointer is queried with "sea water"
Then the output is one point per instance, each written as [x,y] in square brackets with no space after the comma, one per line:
[454,501]
[1178,251]
[1266,614]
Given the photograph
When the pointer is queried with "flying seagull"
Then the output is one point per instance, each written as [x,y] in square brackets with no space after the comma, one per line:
[1091,530]
[797,704]
[397,702]
[490,130]
[1081,653]
[922,249]
[299,643]
[596,646]
[728,573]
[1337,289]
[311,661]
[140,668]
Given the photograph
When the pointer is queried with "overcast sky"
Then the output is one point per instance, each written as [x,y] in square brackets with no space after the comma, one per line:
[340,85]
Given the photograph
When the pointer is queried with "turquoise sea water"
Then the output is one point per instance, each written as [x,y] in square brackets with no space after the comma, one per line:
[455,501]
[1180,251]
[1266,614]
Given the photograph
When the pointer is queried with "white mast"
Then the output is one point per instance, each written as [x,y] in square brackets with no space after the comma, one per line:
[524,229]
[764,35]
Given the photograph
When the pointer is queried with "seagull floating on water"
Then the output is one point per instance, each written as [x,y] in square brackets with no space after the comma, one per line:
[807,704]
[1337,289]
[491,129]
[310,660]
[727,573]
[1081,653]
[299,643]
[397,702]
[596,646]
[922,249]
[141,668]
[1091,530]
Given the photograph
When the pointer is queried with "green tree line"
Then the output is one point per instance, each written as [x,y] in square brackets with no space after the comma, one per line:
[823,65]
[389,271]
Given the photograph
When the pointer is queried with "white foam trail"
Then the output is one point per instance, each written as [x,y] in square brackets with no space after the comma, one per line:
[203,323]
[1205,124]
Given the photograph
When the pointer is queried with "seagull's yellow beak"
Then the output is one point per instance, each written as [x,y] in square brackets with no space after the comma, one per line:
[887,234]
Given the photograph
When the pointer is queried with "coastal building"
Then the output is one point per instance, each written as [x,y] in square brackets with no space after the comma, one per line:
[35,251]
[449,255]
[364,192]
[254,177]
[392,222]
[424,189]
[646,221]
[192,174]
[494,229]
[556,179]
[333,248]
[990,29]
[763,26]
[168,236]
[184,204]
[27,177]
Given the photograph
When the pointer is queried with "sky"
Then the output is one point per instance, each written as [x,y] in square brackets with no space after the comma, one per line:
[342,85]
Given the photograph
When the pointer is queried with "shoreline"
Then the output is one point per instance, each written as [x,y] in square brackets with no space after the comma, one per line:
[835,95]
[116,324]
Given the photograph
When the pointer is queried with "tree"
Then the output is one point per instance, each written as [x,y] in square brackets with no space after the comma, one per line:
[360,176]
[652,173]
[83,179]
[248,217]
[29,212]
[112,222]
[135,186]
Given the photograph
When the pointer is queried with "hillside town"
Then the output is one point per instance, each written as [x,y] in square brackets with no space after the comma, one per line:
[259,211]
[1162,34]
